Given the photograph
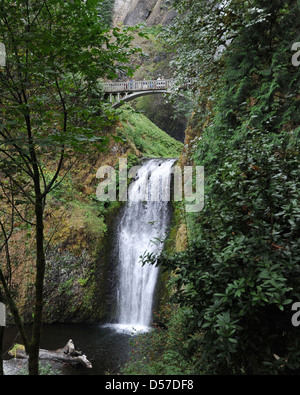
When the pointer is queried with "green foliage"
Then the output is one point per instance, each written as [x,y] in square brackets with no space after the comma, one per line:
[63,190]
[240,273]
[148,138]
[92,215]
[59,68]
[165,350]
[51,101]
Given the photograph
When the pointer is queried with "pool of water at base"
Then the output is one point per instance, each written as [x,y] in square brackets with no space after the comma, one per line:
[105,346]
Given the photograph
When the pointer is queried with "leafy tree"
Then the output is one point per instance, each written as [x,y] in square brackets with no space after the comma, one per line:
[50,104]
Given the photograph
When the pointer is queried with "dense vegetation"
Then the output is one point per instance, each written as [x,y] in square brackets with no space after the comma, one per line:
[147,138]
[236,281]
[51,105]
[236,272]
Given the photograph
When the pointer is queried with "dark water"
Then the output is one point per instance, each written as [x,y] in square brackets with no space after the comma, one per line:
[105,348]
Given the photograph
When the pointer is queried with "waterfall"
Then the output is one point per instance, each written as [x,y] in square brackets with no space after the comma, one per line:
[142,228]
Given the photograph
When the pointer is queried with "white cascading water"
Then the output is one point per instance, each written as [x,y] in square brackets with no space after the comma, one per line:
[142,228]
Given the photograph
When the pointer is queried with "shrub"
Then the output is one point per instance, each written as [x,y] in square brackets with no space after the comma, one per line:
[165,349]
[240,273]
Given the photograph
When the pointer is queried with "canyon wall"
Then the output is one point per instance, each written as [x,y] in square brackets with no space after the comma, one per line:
[132,12]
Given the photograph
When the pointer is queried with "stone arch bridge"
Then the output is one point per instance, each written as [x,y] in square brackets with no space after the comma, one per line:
[119,93]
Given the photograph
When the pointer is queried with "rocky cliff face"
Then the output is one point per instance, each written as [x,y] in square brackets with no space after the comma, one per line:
[132,12]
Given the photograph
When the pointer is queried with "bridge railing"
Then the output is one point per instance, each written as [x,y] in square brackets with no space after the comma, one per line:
[134,86]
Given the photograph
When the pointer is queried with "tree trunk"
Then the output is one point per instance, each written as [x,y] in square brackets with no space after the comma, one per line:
[39,287]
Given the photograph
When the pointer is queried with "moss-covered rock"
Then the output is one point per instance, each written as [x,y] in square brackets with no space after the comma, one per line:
[79,229]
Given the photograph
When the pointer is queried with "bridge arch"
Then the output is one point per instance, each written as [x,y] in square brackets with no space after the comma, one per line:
[122,92]
[124,99]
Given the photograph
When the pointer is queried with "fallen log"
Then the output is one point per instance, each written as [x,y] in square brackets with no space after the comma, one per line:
[68,354]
